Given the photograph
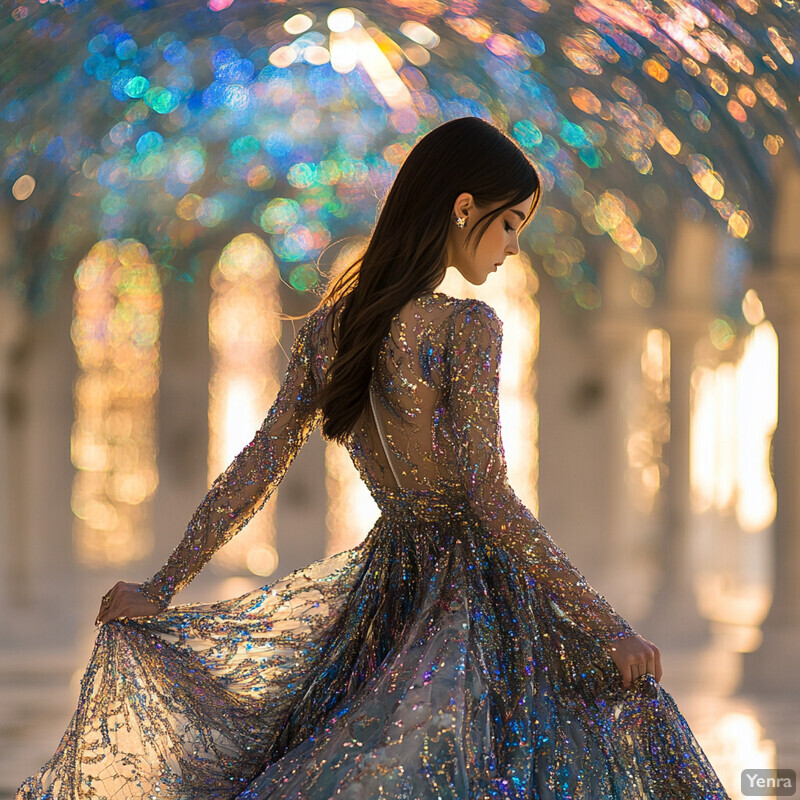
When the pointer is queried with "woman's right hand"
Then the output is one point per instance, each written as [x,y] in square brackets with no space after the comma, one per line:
[634,657]
[125,600]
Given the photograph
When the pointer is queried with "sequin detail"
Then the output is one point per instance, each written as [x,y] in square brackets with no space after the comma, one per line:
[455,653]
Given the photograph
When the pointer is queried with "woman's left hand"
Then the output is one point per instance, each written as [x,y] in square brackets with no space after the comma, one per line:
[125,600]
[634,657]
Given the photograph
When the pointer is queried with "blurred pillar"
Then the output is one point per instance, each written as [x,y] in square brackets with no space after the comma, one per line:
[621,328]
[55,577]
[182,425]
[773,666]
[674,616]
[15,343]
[571,399]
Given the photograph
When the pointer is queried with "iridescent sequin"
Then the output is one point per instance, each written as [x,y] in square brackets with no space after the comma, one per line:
[455,653]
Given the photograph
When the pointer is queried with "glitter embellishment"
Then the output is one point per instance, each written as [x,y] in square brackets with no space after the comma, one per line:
[455,653]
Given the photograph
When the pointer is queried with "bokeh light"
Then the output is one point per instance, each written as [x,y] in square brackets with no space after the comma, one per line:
[244,337]
[649,424]
[23,187]
[735,412]
[116,331]
[241,104]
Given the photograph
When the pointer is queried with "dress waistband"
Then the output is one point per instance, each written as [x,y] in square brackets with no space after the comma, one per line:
[421,504]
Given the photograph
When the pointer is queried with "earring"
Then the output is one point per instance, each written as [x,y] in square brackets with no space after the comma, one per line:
[461,222]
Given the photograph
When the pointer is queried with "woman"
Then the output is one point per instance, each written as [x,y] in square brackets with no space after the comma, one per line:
[456,652]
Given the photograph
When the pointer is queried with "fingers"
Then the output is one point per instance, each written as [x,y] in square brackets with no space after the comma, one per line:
[639,658]
[636,672]
[109,613]
[110,605]
[658,671]
[654,661]
[649,666]
[105,605]
[633,673]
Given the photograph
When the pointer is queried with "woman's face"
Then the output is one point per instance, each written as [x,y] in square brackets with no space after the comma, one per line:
[499,240]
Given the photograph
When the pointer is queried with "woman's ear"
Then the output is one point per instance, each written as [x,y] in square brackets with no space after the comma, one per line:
[463,204]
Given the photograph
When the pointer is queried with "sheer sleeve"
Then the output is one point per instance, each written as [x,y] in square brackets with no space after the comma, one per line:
[474,358]
[243,488]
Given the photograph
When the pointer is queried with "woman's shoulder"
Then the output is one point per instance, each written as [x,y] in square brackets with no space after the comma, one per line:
[468,314]
[461,306]
[457,319]
[310,329]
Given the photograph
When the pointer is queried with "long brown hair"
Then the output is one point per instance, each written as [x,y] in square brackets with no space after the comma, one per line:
[406,253]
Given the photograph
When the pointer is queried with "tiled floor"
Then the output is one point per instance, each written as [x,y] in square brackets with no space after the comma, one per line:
[38,689]
[36,700]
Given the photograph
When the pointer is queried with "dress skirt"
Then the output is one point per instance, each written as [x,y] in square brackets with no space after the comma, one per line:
[427,663]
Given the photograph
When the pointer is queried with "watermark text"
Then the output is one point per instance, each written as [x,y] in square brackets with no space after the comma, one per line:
[768,782]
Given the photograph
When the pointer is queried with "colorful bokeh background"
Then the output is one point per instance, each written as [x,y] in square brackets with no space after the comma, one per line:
[175,122]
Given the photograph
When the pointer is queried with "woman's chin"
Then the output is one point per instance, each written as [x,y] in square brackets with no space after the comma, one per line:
[477,280]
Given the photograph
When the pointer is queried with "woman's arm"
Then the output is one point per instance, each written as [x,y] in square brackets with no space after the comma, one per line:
[475,347]
[243,488]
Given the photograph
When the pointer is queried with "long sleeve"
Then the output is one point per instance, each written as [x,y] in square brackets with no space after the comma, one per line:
[243,488]
[474,362]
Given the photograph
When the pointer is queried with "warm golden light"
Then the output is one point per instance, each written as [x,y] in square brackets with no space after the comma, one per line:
[298,24]
[316,55]
[649,426]
[733,741]
[752,307]
[244,334]
[419,33]
[344,53]
[116,328]
[733,419]
[756,419]
[703,439]
[380,56]
[341,20]
[283,56]
[380,70]
[351,509]
[23,187]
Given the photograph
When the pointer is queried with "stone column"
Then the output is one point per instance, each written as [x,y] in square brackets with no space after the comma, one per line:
[674,616]
[49,473]
[572,440]
[14,357]
[621,327]
[773,666]
[182,428]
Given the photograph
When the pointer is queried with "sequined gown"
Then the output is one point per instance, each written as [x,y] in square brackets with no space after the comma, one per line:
[455,653]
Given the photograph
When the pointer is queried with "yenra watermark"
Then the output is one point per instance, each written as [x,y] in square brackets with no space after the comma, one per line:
[769,782]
